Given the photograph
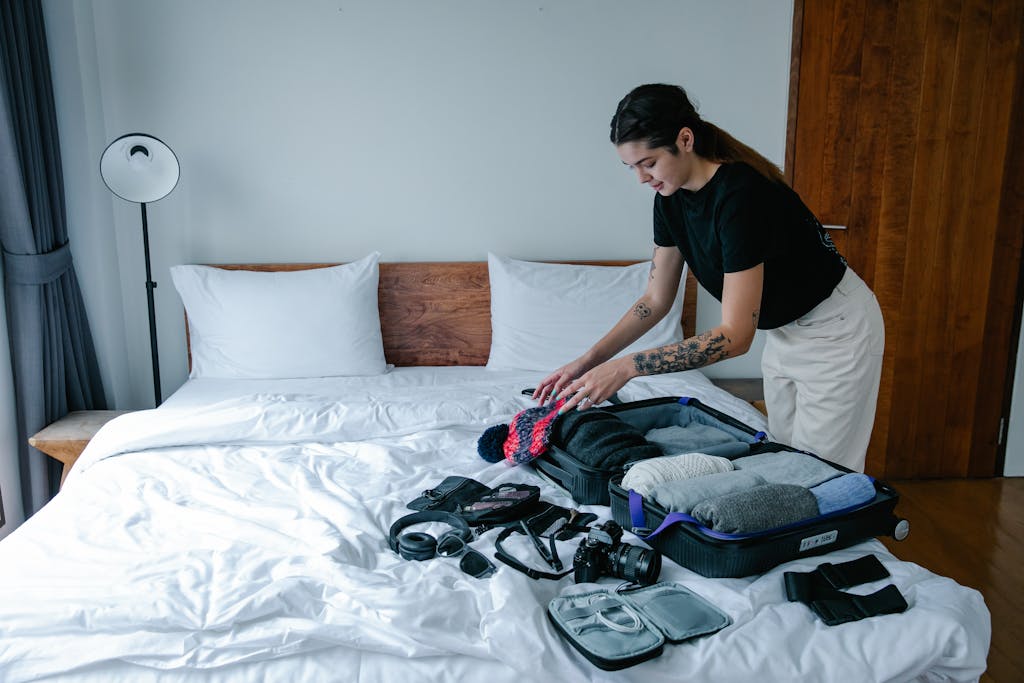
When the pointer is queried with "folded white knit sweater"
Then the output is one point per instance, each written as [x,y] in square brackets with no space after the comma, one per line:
[646,474]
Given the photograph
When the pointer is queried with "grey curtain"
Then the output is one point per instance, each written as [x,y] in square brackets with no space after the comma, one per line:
[52,353]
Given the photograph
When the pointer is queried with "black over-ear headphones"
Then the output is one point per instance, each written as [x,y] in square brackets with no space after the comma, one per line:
[417,545]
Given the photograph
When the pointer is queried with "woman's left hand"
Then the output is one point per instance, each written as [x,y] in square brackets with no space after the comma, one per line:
[597,385]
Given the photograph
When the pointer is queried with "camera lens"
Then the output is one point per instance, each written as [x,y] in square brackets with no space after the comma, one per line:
[635,564]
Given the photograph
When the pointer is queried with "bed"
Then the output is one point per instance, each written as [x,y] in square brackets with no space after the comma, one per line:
[239,531]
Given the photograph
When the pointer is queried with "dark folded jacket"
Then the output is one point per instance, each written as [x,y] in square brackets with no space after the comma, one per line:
[600,439]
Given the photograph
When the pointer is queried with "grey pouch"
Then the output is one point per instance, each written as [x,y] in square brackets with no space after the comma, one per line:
[617,630]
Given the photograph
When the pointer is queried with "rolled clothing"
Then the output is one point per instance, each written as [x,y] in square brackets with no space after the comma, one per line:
[684,494]
[644,476]
[786,467]
[692,438]
[601,439]
[761,508]
[847,491]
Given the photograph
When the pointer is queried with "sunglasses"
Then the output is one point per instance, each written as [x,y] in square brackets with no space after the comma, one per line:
[473,562]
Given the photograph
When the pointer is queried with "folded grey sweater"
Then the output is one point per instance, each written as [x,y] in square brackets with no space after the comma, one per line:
[758,509]
[788,468]
[682,495]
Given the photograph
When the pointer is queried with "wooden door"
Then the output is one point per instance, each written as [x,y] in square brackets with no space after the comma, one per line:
[904,126]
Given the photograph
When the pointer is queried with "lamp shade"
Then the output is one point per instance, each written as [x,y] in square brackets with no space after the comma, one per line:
[139,168]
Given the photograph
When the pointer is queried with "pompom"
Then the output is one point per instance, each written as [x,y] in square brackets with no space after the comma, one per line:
[491,443]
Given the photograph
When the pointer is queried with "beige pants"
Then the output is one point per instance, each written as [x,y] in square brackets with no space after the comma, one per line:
[821,375]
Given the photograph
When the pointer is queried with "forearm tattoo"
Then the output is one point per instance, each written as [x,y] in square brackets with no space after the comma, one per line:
[641,310]
[696,352]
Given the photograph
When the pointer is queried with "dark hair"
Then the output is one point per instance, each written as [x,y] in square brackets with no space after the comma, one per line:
[655,114]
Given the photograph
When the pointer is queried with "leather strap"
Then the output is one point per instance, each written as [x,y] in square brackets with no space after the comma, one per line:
[837,611]
[828,578]
[819,590]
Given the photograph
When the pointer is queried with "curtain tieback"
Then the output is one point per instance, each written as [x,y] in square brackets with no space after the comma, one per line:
[37,269]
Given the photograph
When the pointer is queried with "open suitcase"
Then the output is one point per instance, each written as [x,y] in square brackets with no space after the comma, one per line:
[589,485]
[704,550]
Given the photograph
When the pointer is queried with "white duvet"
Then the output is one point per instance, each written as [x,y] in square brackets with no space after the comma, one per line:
[239,533]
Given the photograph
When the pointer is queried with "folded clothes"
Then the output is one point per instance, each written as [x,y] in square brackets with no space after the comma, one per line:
[844,492]
[644,476]
[692,438]
[682,495]
[601,439]
[788,468]
[758,509]
[732,450]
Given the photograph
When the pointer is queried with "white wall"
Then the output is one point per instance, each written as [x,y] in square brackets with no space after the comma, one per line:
[1013,466]
[317,130]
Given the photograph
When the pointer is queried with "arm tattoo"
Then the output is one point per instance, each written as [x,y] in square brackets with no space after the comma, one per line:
[641,310]
[696,352]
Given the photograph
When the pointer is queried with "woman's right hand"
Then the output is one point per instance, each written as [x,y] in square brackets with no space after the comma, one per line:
[559,379]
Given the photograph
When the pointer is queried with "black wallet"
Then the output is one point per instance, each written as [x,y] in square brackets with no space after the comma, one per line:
[450,495]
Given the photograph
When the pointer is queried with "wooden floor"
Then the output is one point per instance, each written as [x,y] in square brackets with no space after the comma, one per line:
[973,532]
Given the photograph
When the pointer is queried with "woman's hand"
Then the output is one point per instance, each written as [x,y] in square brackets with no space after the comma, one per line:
[597,385]
[557,380]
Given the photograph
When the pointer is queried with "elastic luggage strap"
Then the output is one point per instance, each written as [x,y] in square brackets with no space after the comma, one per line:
[639,522]
[820,591]
[599,605]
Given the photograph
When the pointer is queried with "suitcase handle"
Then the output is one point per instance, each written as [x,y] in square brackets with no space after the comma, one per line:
[724,417]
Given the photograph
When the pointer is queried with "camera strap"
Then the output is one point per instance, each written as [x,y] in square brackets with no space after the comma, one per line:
[503,555]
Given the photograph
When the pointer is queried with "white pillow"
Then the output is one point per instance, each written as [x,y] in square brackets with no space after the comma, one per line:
[321,322]
[544,315]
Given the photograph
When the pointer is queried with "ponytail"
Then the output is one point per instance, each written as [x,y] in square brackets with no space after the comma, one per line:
[721,147]
[655,114]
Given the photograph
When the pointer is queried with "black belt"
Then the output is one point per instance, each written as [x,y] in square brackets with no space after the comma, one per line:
[820,590]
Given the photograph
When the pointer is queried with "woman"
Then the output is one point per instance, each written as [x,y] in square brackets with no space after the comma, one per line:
[726,211]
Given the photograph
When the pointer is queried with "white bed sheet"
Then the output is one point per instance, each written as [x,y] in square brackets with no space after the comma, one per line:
[238,533]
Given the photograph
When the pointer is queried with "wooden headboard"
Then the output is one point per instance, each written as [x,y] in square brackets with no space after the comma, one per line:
[439,313]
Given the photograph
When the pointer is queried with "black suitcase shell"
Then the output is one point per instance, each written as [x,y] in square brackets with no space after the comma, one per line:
[704,551]
[589,485]
[732,555]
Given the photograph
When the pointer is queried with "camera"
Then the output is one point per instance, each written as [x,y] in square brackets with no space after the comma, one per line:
[602,553]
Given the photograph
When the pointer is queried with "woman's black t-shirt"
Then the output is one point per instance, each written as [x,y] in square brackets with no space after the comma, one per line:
[740,219]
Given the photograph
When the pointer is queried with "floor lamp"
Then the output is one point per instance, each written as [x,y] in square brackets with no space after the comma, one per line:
[142,169]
